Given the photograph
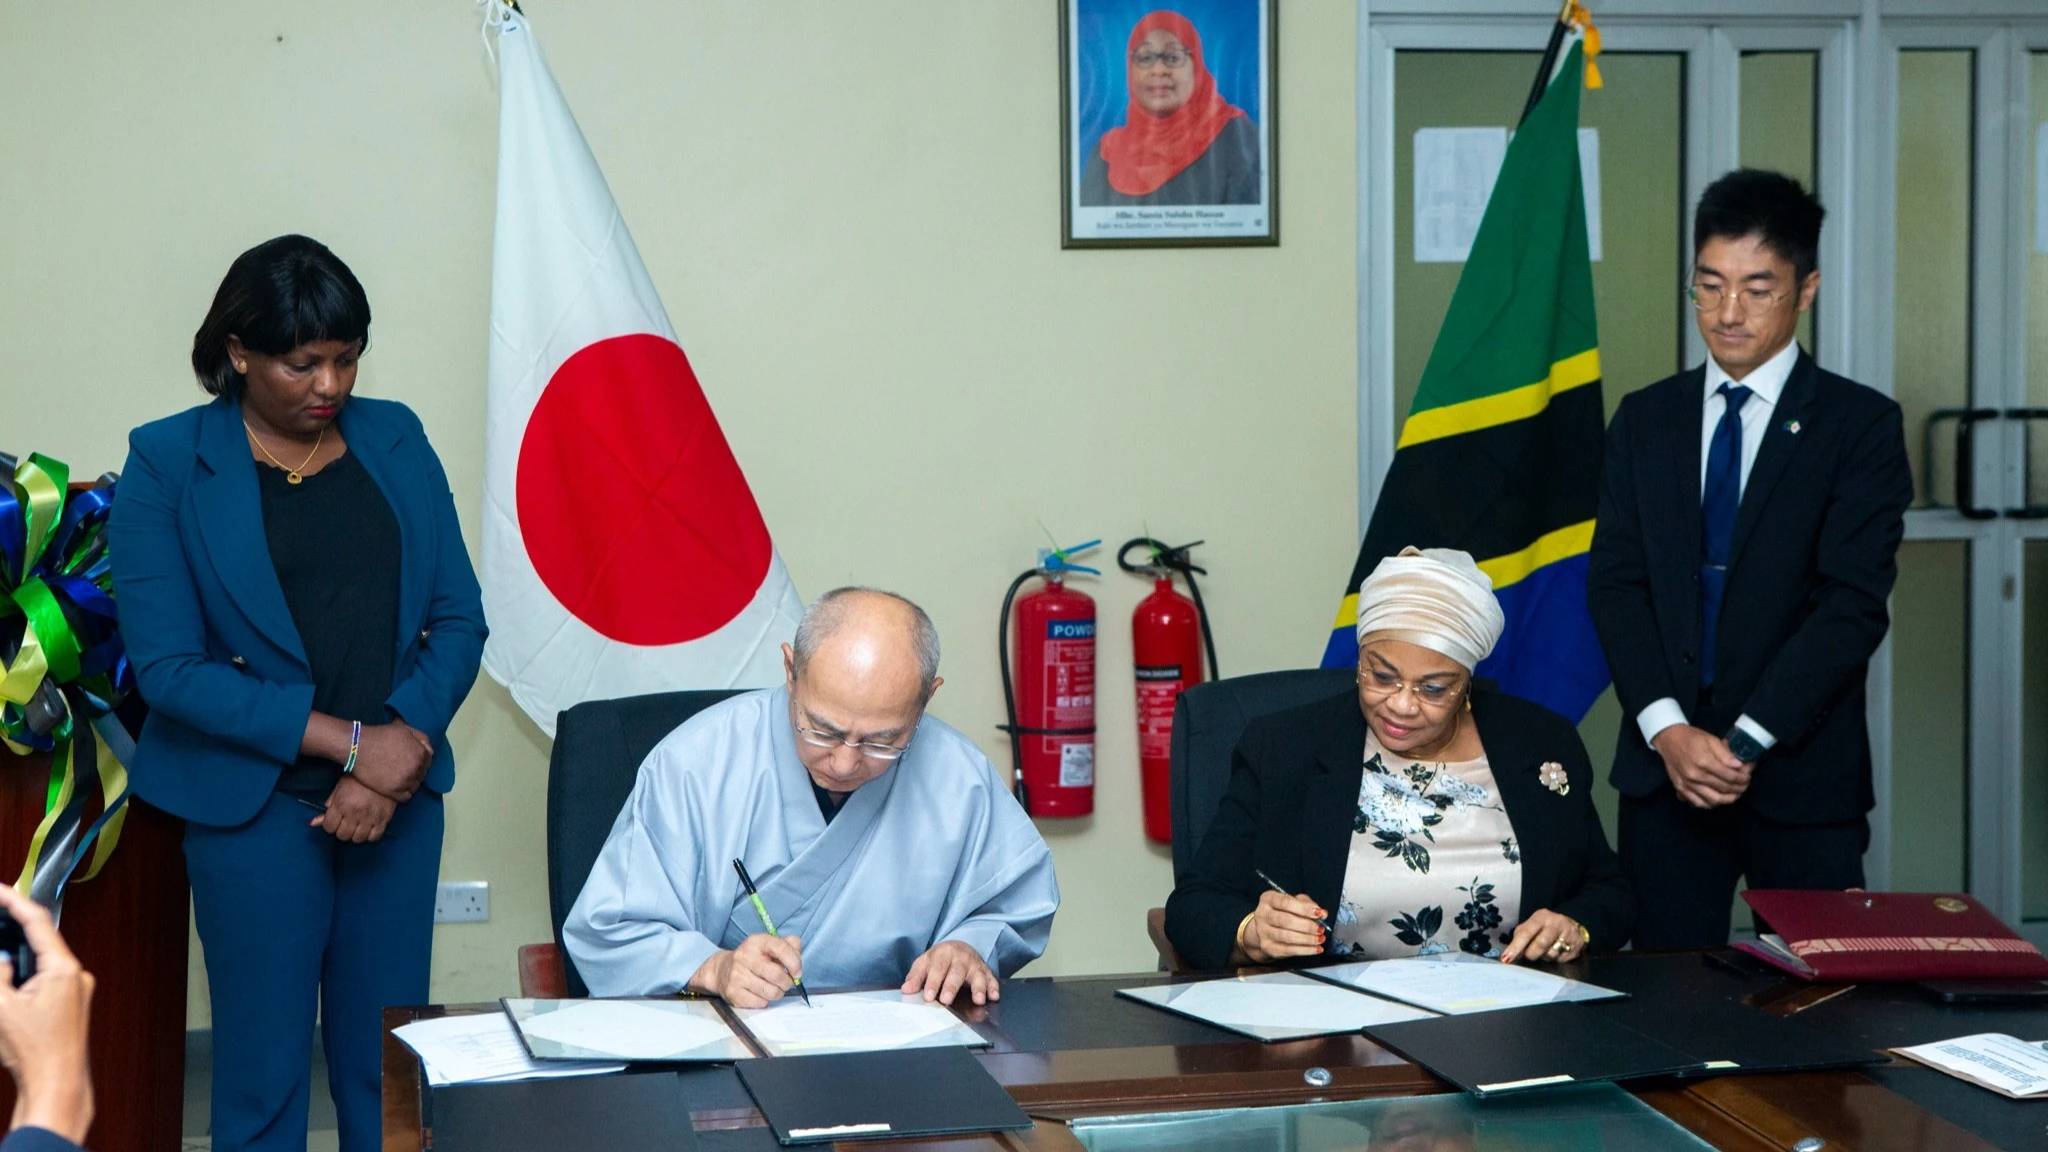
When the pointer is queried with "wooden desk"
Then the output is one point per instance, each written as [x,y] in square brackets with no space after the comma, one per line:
[1068,1047]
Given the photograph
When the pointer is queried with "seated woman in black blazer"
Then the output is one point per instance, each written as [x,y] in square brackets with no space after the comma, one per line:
[1429,814]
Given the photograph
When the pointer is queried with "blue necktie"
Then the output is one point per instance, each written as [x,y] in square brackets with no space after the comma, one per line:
[1720,497]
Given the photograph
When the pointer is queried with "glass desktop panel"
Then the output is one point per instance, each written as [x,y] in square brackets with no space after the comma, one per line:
[1588,1118]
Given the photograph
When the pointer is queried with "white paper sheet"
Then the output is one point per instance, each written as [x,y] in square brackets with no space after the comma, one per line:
[626,1030]
[1276,1005]
[472,1049]
[1989,1059]
[854,1022]
[1454,173]
[1462,985]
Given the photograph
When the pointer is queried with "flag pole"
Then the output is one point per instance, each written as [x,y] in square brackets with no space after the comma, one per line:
[1543,71]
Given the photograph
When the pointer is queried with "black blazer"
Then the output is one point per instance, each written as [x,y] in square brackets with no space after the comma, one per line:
[1815,552]
[1294,790]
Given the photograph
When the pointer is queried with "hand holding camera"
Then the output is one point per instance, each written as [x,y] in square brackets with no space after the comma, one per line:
[45,1008]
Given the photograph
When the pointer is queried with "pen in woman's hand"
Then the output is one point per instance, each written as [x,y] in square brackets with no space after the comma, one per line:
[1329,933]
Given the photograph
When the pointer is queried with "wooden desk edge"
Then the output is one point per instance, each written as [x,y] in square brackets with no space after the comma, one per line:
[1740,1113]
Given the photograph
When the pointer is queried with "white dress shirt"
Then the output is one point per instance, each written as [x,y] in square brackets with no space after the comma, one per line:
[1766,384]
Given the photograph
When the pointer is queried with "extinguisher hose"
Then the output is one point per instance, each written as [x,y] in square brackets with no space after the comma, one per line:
[1176,559]
[1009,691]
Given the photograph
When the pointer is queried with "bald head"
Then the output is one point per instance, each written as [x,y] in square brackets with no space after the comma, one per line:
[862,668]
[877,638]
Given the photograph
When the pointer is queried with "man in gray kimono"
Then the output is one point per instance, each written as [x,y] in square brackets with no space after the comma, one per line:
[885,846]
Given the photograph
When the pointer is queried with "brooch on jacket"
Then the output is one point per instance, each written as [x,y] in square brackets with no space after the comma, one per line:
[1553,777]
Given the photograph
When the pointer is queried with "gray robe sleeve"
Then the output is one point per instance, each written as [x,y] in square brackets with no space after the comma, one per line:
[1007,916]
[631,932]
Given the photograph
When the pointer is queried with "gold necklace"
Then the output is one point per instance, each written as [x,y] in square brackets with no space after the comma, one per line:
[291,475]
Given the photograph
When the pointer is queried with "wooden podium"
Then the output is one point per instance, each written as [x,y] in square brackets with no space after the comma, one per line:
[128,927]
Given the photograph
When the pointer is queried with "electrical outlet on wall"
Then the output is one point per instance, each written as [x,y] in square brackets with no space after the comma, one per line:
[462,901]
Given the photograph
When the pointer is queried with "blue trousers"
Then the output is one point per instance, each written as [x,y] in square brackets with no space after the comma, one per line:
[291,917]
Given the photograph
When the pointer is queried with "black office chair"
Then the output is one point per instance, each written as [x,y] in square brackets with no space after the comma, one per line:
[599,745]
[1207,722]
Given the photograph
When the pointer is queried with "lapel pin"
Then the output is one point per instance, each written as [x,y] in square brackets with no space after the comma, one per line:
[1553,776]
[1792,426]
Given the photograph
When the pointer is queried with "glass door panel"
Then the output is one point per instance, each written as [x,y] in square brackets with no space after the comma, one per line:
[2035,132]
[1780,131]
[1928,800]
[1930,701]
[1932,286]
[2034,635]
[2034,737]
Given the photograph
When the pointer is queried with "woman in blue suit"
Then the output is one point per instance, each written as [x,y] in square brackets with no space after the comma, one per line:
[303,621]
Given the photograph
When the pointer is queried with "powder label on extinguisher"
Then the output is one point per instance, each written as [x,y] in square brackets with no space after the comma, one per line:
[1077,765]
[1070,674]
[1159,685]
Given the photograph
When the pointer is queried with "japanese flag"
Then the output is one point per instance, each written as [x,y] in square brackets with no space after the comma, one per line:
[623,552]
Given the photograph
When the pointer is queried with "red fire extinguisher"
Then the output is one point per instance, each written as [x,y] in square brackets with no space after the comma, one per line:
[1051,701]
[1169,633]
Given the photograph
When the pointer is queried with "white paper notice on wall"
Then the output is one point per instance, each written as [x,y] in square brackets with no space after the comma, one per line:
[1454,173]
[1589,179]
[2041,189]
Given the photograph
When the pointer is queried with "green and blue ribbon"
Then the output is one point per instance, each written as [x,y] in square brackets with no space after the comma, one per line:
[63,670]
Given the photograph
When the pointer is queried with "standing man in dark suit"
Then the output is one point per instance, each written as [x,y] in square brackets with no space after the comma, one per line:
[1749,526]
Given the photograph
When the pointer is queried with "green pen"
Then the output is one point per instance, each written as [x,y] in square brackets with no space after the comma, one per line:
[747,882]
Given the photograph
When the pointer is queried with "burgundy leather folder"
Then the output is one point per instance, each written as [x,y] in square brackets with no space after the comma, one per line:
[1854,937]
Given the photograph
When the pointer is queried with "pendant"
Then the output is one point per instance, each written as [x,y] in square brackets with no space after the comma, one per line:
[292,477]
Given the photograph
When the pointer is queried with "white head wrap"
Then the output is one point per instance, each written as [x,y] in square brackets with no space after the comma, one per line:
[1435,597]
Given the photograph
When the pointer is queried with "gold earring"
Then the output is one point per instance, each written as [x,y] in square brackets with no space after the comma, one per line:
[242,368]
[1468,701]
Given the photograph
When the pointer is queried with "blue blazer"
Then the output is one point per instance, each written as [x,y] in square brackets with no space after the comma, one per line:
[215,652]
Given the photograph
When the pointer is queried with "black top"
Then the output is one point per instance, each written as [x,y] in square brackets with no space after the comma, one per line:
[828,805]
[1227,173]
[1294,787]
[334,542]
[1809,573]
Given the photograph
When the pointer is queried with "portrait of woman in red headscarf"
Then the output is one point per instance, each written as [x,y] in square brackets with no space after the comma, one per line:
[1181,142]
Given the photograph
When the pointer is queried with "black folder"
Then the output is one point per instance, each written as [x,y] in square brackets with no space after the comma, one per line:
[643,1112]
[890,1095]
[1728,1036]
[1489,1053]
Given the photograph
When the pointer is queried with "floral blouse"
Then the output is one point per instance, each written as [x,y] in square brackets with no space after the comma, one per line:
[1427,838]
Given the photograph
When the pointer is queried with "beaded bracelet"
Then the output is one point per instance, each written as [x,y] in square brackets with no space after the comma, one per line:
[355,745]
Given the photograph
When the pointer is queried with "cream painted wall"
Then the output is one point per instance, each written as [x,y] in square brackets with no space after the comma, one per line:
[851,213]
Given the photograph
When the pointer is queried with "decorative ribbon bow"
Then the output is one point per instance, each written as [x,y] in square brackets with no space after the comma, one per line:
[62,665]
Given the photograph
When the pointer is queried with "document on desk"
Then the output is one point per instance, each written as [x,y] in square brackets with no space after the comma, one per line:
[1459,985]
[1275,1005]
[666,1029]
[855,1022]
[2004,1064]
[483,1048]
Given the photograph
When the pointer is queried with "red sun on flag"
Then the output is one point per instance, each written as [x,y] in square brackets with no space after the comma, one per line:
[627,492]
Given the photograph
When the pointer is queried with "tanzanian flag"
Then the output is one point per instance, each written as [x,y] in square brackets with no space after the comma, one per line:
[1500,455]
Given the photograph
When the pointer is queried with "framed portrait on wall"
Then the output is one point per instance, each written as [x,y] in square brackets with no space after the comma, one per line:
[1168,124]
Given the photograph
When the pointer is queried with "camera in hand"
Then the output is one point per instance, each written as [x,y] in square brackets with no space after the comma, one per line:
[14,946]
